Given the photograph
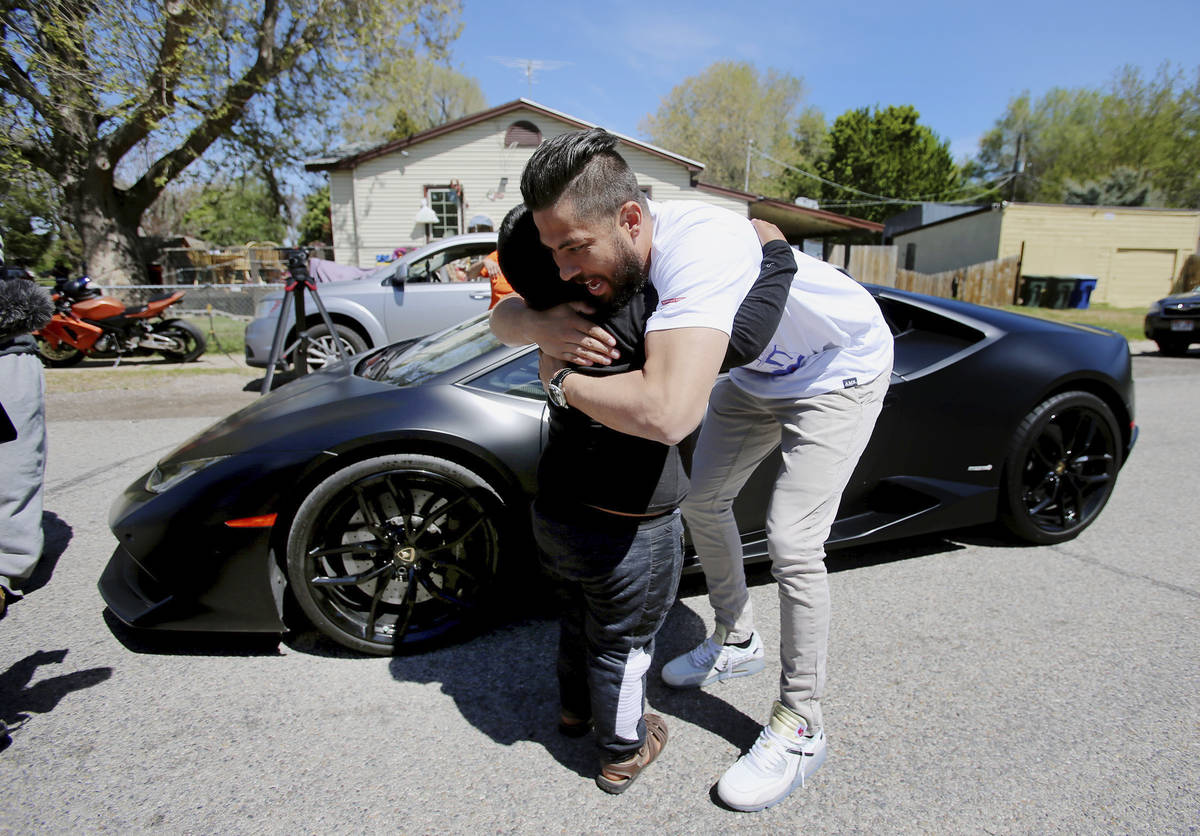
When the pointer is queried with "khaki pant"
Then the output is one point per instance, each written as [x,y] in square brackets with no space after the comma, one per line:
[821,439]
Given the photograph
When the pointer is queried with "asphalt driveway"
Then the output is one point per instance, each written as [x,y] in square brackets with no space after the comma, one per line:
[976,686]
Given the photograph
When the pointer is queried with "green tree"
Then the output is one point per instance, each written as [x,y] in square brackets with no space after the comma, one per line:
[405,94]
[85,85]
[1123,187]
[33,229]
[885,153]
[714,116]
[317,224]
[1139,127]
[230,214]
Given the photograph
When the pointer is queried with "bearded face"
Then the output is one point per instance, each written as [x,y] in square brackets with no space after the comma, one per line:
[626,281]
[599,255]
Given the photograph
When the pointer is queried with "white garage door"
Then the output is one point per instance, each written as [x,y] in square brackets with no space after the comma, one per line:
[1140,276]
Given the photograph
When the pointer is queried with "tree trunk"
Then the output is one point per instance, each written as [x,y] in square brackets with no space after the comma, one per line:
[111,249]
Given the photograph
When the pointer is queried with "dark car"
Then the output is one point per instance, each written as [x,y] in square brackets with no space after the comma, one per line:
[1174,322]
[388,494]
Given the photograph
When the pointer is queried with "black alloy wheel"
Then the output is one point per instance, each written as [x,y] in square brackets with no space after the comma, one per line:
[395,551]
[322,348]
[188,338]
[1061,468]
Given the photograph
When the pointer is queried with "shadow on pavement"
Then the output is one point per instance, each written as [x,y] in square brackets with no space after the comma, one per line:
[189,643]
[18,697]
[58,536]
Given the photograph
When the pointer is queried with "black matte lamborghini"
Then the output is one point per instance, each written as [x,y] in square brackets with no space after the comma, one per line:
[388,495]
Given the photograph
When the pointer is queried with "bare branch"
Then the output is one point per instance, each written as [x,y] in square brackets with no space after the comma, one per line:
[16,81]
[159,100]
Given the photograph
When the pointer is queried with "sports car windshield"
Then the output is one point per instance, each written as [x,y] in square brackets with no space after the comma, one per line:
[412,363]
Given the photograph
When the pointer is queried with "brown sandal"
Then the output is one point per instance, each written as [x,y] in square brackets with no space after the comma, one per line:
[616,777]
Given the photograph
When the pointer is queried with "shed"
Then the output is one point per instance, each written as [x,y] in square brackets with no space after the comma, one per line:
[1134,252]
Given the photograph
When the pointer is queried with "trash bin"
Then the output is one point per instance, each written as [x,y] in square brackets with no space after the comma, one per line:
[1032,290]
[1081,296]
[1058,292]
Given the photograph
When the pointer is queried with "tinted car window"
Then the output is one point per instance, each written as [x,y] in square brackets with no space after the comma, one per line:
[409,364]
[518,377]
[449,265]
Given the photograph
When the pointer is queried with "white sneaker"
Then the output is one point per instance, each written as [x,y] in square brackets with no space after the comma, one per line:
[777,763]
[712,660]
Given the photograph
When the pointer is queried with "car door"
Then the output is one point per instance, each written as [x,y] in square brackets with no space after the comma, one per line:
[438,291]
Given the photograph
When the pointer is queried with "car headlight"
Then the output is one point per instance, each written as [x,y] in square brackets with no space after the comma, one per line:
[169,474]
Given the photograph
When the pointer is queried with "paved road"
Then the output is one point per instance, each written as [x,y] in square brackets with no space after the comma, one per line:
[976,687]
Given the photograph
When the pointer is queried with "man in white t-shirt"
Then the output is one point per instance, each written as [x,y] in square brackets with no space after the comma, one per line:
[816,389]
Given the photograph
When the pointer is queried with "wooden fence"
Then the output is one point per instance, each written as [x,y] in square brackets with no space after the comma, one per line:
[987,283]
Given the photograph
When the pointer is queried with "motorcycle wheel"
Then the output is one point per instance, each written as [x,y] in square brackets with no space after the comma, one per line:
[58,358]
[189,338]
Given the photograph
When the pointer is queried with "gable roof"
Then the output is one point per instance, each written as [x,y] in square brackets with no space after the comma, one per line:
[351,156]
[793,220]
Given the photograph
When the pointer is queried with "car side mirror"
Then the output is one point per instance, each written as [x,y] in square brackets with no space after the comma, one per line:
[399,277]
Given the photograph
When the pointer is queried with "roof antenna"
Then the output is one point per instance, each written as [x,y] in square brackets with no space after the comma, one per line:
[529,66]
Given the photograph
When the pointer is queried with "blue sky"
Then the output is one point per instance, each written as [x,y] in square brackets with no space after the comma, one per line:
[958,63]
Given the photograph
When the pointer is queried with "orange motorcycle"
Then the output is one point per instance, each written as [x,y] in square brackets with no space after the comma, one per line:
[89,324]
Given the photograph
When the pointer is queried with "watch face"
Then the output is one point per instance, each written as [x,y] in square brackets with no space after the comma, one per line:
[557,396]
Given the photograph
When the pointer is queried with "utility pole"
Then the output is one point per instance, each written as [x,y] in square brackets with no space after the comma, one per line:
[1016,169]
[746,182]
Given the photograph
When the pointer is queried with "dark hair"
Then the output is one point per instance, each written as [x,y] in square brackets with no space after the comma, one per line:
[529,265]
[584,168]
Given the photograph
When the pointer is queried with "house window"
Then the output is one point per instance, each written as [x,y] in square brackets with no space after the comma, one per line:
[522,134]
[445,203]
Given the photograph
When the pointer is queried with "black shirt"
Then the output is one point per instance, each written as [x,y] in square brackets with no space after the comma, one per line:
[587,463]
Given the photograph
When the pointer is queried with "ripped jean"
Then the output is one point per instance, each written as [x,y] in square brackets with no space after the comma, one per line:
[618,577]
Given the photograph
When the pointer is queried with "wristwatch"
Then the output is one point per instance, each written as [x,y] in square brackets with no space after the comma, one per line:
[554,388]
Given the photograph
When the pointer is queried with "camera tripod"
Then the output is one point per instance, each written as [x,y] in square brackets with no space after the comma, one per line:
[299,280]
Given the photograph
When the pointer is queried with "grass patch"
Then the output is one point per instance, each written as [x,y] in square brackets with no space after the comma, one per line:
[126,376]
[230,333]
[1125,321]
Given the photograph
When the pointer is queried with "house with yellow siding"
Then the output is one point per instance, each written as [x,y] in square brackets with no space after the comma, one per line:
[1135,252]
[468,174]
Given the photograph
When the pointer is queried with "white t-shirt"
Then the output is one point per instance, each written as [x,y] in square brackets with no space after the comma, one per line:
[703,261]
[832,334]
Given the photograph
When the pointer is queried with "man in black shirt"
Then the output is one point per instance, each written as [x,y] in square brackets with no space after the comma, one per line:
[614,537]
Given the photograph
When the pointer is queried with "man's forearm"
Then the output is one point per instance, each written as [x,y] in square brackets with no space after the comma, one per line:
[666,399]
[560,331]
[509,321]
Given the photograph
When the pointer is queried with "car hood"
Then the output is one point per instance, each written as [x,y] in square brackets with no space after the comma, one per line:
[1189,298]
[306,414]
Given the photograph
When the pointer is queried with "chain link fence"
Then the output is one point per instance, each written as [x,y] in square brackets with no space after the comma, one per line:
[235,300]
[255,263]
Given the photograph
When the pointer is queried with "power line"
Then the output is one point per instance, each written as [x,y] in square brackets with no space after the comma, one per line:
[877,199]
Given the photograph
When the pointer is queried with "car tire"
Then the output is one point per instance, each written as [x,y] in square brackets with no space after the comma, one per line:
[395,551]
[1172,348]
[322,350]
[191,340]
[1061,468]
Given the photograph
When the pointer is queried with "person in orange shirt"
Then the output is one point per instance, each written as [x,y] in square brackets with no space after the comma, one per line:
[491,271]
